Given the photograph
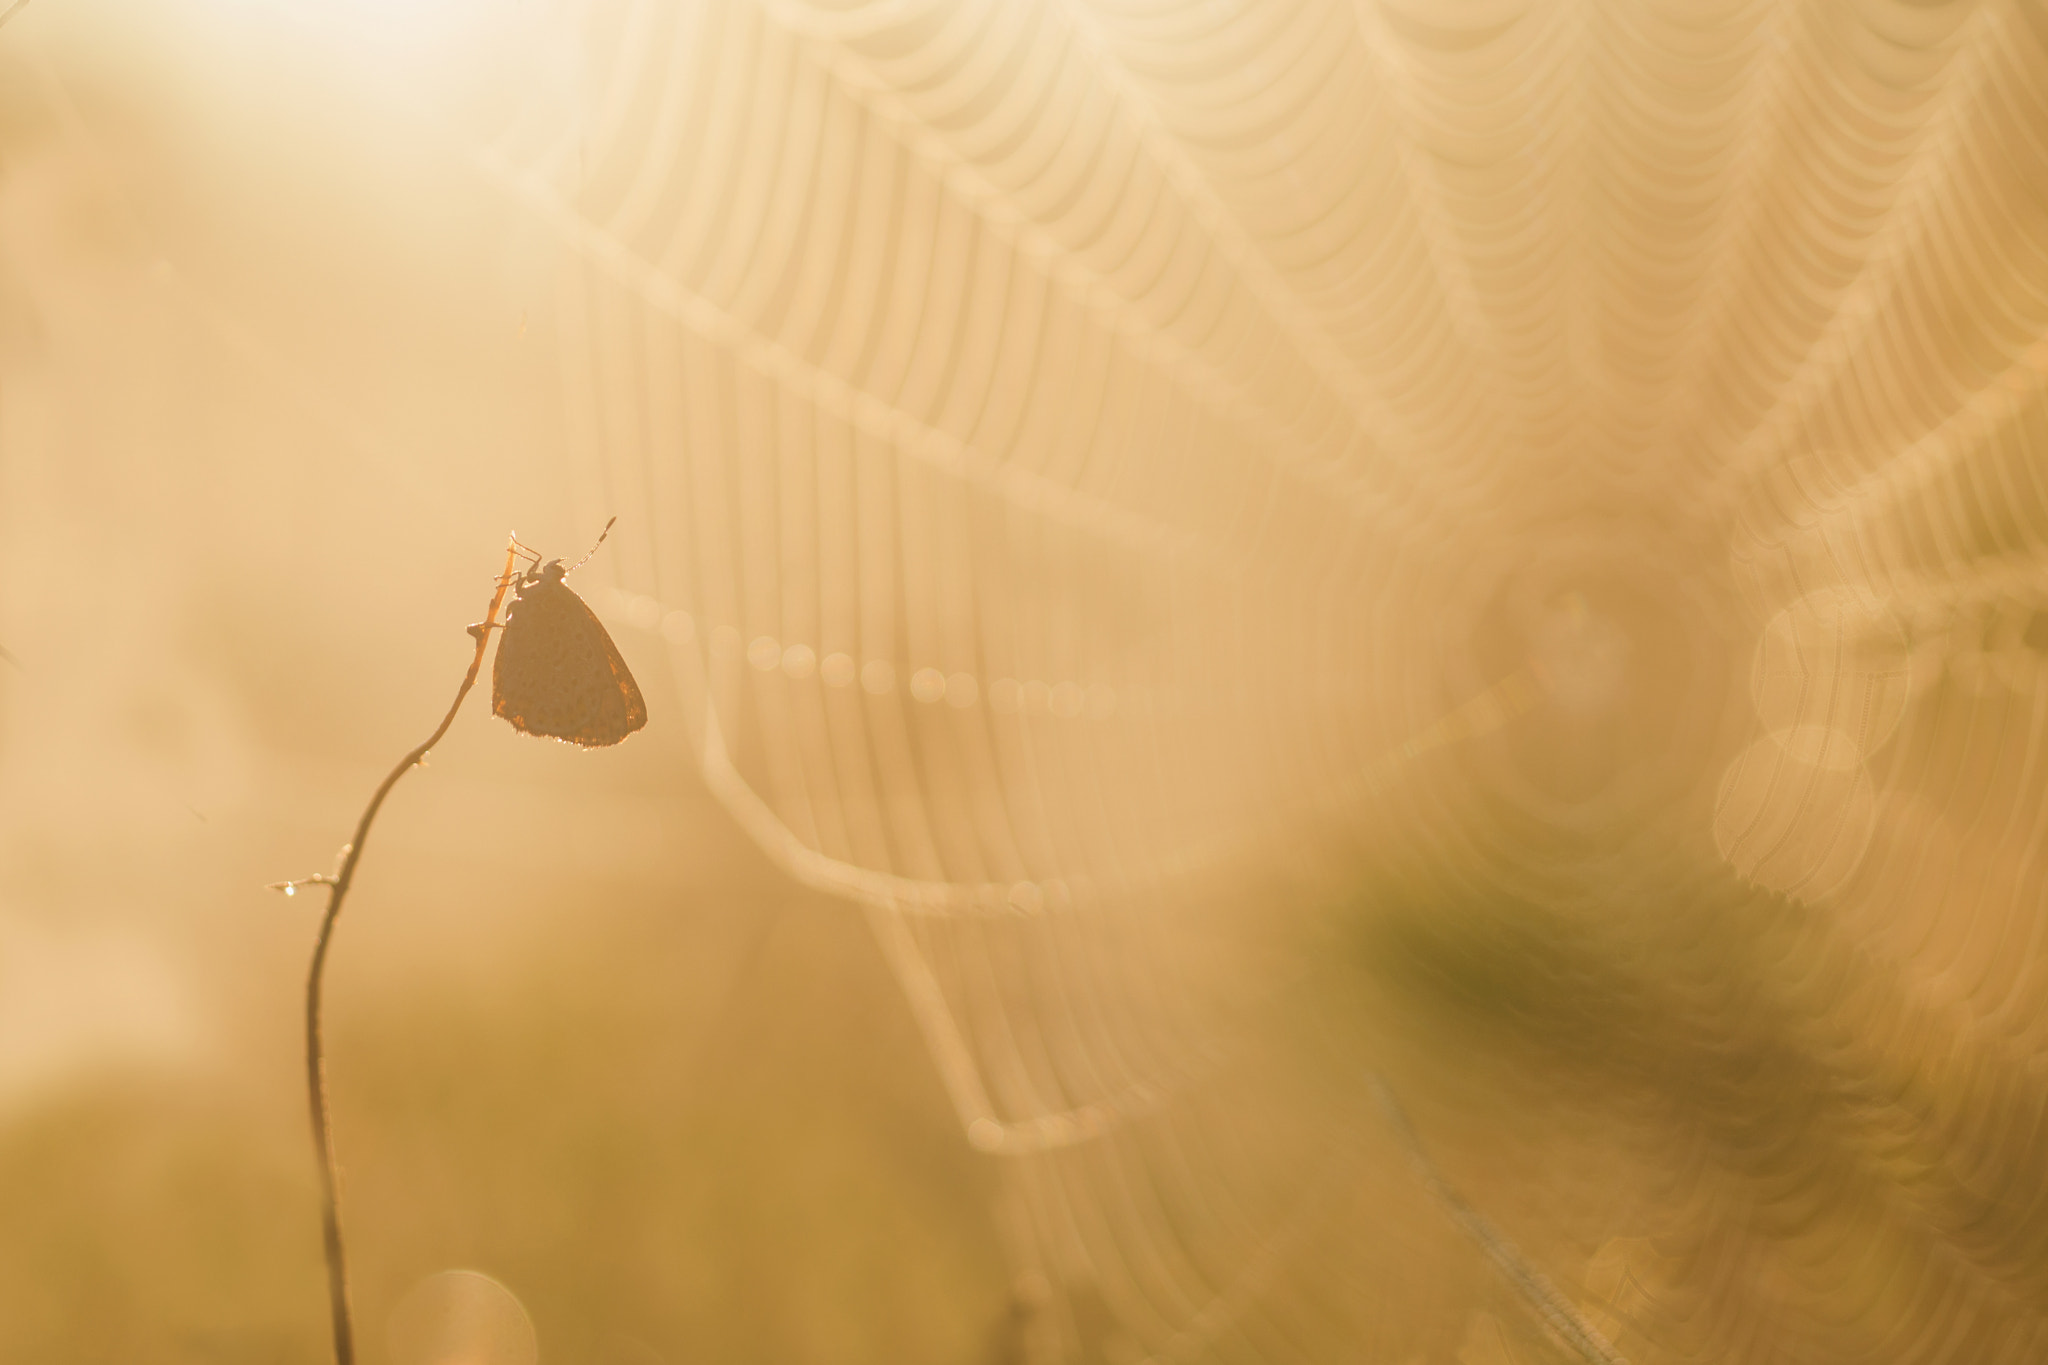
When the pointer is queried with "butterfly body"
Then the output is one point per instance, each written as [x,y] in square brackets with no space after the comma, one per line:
[558,674]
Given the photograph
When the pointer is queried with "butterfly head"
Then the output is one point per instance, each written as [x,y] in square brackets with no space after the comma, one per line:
[550,572]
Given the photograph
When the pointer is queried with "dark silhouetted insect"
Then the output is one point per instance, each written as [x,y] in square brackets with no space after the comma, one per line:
[558,673]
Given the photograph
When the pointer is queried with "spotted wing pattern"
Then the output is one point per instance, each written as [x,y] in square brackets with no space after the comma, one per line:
[558,673]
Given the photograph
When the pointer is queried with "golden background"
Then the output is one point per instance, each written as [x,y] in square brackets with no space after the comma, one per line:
[1329,681]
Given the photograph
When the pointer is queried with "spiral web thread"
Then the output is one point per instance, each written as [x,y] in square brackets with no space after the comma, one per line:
[1064,440]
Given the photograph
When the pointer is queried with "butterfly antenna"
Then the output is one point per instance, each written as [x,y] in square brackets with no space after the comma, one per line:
[593,549]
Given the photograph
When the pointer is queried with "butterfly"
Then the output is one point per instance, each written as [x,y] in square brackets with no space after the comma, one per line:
[558,674]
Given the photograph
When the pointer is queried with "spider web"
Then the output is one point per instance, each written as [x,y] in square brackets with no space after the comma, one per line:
[1135,491]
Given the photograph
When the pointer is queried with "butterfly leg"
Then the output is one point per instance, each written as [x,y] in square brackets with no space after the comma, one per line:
[526,552]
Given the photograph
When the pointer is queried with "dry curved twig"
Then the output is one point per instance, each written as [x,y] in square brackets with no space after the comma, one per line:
[337,885]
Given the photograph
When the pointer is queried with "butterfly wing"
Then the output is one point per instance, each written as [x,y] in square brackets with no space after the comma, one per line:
[558,673]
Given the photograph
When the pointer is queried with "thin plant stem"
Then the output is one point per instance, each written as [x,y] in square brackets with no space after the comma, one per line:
[316,1059]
